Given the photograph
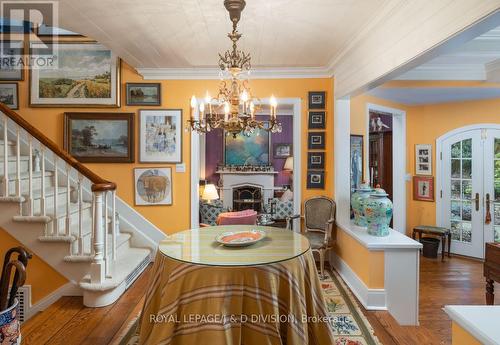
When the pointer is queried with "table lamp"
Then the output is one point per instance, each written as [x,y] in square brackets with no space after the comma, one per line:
[288,164]
[210,193]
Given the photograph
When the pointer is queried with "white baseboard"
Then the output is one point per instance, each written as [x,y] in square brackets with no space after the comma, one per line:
[68,289]
[371,299]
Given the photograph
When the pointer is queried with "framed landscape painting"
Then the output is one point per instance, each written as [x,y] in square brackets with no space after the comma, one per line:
[160,136]
[143,94]
[153,186]
[100,137]
[247,150]
[84,75]
[9,95]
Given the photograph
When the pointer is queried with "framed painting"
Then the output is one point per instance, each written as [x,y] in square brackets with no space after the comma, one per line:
[86,74]
[315,160]
[153,186]
[160,136]
[317,120]
[9,95]
[423,188]
[143,93]
[356,149]
[247,150]
[316,141]
[423,159]
[11,68]
[315,179]
[317,100]
[282,150]
[100,137]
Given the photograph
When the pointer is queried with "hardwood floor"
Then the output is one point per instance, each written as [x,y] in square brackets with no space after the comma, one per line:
[455,281]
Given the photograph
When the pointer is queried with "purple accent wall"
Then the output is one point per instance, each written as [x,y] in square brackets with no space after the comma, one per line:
[214,151]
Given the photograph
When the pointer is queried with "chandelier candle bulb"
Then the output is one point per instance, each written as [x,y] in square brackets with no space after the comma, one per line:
[193,106]
[202,110]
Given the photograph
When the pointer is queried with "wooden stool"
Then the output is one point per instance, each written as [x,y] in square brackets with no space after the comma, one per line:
[444,233]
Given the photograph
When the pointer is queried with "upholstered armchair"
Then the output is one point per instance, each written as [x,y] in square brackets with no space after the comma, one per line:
[210,211]
[319,226]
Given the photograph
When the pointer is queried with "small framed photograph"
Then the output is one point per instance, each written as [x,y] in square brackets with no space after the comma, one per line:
[153,186]
[423,159]
[317,120]
[143,93]
[317,100]
[282,150]
[160,136]
[316,141]
[315,179]
[315,160]
[100,137]
[11,69]
[9,95]
[423,188]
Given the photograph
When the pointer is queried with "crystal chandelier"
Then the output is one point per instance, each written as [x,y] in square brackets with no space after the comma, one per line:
[234,107]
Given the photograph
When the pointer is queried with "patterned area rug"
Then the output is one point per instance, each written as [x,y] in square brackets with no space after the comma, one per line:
[348,322]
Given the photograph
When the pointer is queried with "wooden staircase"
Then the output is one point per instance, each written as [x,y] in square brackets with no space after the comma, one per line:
[65,213]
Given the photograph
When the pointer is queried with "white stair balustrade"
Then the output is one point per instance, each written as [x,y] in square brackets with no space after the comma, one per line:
[65,213]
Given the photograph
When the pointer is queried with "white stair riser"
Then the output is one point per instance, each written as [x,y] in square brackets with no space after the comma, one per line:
[12,166]
[10,148]
[37,184]
[49,201]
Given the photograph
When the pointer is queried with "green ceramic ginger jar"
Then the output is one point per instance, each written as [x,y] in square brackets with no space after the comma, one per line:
[357,203]
[378,213]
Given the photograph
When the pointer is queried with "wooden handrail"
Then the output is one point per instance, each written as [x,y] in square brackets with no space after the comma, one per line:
[98,183]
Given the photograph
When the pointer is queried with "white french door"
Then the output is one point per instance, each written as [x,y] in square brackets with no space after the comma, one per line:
[470,185]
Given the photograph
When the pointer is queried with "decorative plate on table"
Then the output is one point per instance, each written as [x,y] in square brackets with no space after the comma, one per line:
[240,238]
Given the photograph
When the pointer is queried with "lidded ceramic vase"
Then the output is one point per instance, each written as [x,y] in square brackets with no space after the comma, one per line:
[378,213]
[357,203]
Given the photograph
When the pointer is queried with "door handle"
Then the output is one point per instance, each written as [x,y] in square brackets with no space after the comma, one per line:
[487,219]
[476,199]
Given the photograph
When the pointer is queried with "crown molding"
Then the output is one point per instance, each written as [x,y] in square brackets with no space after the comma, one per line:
[212,73]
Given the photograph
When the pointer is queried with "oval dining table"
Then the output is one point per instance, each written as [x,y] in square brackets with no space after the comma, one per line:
[202,292]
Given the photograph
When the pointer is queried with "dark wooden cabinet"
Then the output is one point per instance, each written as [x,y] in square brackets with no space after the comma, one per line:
[491,270]
[380,151]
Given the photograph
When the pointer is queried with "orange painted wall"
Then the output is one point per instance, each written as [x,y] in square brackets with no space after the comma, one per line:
[40,275]
[368,265]
[460,336]
[176,94]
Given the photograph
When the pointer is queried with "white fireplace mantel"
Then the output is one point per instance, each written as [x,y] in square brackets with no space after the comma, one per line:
[233,179]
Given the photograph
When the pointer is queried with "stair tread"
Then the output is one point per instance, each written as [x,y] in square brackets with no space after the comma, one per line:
[10,142]
[13,158]
[121,239]
[126,262]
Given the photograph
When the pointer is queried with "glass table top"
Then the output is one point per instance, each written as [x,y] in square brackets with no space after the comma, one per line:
[198,246]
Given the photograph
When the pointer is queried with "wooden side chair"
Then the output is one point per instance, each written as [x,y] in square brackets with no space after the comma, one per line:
[319,220]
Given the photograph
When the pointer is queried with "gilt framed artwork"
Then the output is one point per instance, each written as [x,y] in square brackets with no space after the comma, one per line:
[316,141]
[84,74]
[100,137]
[160,136]
[143,93]
[153,186]
[423,159]
[248,150]
[11,69]
[423,188]
[9,95]
[317,120]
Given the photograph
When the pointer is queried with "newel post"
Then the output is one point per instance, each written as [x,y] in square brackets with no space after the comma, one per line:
[97,270]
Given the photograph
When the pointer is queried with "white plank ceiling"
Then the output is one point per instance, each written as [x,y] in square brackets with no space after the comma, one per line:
[190,33]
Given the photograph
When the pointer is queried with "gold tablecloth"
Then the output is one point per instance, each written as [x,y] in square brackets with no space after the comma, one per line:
[206,304]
